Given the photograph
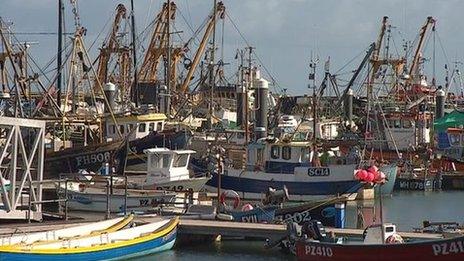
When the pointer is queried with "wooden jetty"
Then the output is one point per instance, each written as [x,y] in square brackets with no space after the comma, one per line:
[210,227]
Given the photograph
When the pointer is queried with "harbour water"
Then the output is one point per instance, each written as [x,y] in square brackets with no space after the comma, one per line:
[405,209]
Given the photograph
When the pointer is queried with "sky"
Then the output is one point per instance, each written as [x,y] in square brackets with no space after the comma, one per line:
[285,33]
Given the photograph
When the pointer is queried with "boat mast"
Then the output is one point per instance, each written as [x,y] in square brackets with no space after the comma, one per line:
[248,87]
[168,61]
[211,69]
[135,89]
[60,49]
[312,77]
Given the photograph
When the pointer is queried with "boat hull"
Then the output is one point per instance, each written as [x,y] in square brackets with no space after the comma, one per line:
[256,215]
[437,250]
[390,172]
[254,189]
[136,249]
[97,202]
[194,184]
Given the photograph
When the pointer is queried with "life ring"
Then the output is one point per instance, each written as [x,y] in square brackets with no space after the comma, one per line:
[394,239]
[230,194]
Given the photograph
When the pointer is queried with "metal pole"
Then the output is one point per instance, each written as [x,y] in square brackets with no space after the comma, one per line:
[218,173]
[66,199]
[29,205]
[60,49]
[108,199]
[125,194]
[135,89]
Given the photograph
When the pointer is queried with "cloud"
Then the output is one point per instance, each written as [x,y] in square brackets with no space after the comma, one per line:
[284,32]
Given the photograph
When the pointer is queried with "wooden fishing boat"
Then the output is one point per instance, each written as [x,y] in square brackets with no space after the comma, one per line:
[256,215]
[71,232]
[120,245]
[437,250]
[91,198]
[378,246]
[323,211]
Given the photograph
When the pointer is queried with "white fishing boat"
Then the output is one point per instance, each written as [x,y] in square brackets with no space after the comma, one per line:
[167,170]
[84,197]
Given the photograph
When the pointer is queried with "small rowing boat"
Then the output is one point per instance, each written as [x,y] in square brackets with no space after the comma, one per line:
[90,229]
[119,245]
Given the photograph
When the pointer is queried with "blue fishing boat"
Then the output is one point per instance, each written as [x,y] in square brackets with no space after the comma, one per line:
[278,164]
[120,245]
[256,215]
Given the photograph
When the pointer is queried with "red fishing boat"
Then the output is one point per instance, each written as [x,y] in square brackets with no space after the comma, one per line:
[391,248]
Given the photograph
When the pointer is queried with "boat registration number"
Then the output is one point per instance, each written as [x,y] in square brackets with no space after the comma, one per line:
[448,248]
[318,172]
[318,251]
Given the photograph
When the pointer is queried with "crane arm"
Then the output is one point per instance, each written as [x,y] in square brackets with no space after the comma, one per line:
[110,47]
[430,21]
[356,73]
[219,12]
[157,47]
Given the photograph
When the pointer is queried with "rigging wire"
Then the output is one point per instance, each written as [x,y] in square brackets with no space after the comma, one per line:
[275,83]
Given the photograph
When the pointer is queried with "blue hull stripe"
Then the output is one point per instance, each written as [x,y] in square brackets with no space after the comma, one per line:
[294,188]
[156,245]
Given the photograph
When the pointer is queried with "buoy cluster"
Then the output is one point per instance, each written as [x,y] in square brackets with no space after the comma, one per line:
[371,175]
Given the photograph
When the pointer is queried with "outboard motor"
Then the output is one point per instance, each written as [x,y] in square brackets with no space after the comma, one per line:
[315,230]
[276,197]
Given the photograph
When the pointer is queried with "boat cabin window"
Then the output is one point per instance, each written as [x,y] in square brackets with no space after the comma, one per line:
[142,127]
[121,129]
[180,160]
[112,129]
[159,126]
[160,161]
[389,229]
[131,126]
[275,152]
[304,154]
[455,139]
[286,152]
[397,124]
[151,126]
[407,124]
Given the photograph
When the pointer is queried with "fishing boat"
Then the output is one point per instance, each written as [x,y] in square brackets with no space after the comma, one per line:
[256,214]
[120,245]
[92,198]
[168,170]
[95,228]
[273,163]
[390,171]
[374,249]
[324,211]
[93,157]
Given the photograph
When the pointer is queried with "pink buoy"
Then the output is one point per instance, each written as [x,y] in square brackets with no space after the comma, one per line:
[362,175]
[247,207]
[373,169]
[377,176]
[382,175]
[370,177]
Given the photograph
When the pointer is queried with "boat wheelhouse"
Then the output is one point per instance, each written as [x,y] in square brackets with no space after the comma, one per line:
[143,124]
[168,170]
